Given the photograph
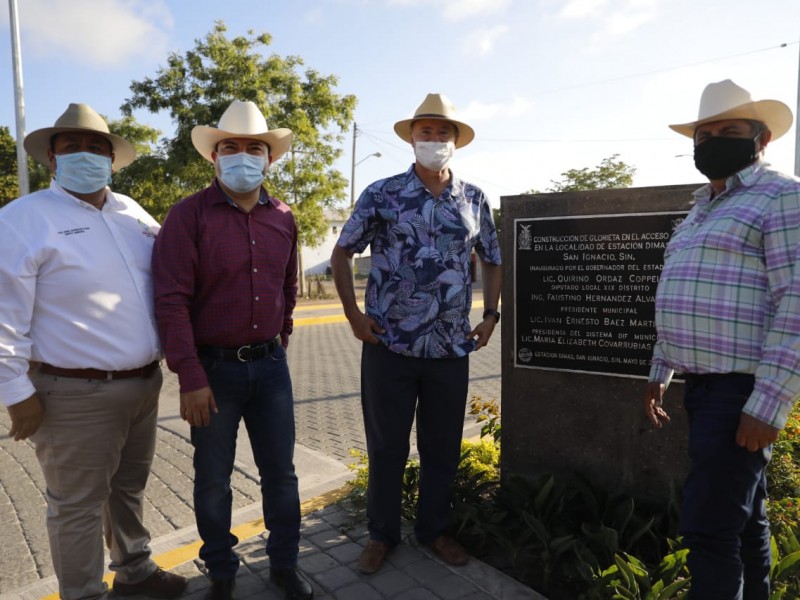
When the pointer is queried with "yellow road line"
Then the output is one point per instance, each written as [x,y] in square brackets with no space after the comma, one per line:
[340,318]
[178,556]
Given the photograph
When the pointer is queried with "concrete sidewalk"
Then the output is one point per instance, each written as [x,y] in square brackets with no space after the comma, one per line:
[324,360]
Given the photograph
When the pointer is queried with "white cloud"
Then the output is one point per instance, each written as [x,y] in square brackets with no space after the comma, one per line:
[481,41]
[582,9]
[314,15]
[456,10]
[480,111]
[615,19]
[98,34]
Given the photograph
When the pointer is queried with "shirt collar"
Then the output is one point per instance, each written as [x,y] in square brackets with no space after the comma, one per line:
[744,178]
[454,189]
[263,198]
[111,202]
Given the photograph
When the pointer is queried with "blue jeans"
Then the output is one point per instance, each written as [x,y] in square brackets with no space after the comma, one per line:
[393,388]
[260,392]
[723,516]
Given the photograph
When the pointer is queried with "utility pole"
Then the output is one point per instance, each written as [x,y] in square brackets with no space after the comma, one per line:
[353,168]
[796,125]
[19,102]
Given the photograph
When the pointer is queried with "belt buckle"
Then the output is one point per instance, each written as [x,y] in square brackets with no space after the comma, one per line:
[239,356]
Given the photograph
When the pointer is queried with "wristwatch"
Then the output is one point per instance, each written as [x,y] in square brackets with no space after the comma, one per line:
[492,312]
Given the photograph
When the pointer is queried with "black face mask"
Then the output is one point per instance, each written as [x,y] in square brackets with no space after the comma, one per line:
[720,157]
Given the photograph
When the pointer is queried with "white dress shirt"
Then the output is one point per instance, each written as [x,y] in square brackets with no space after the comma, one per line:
[75,286]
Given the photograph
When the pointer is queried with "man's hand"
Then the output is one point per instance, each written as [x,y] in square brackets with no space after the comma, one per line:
[364,327]
[26,417]
[196,407]
[754,434]
[483,331]
[653,399]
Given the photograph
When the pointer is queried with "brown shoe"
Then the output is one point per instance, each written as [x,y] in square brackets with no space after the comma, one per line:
[449,550]
[160,584]
[372,557]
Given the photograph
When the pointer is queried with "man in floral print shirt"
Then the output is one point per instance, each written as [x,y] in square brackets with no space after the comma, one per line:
[422,226]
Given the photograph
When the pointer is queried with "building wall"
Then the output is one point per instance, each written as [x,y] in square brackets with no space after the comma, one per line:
[316,261]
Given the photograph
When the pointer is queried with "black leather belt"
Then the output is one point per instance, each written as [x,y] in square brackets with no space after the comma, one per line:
[142,372]
[247,353]
[708,378]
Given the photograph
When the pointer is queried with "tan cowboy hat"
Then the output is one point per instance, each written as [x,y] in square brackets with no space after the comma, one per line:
[82,118]
[241,120]
[436,106]
[726,100]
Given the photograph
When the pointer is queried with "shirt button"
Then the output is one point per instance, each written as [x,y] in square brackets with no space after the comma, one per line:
[255,326]
[257,298]
[253,242]
[255,270]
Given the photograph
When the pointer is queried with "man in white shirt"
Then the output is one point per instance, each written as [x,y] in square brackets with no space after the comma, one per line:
[77,306]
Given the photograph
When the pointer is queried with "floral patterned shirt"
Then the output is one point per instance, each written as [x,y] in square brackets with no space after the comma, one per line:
[419,288]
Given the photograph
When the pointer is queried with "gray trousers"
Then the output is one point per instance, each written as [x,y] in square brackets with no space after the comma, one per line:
[95,448]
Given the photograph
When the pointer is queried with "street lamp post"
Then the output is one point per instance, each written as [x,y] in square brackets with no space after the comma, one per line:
[353,166]
[19,102]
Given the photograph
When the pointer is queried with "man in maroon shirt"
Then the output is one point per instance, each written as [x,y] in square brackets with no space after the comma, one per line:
[225,277]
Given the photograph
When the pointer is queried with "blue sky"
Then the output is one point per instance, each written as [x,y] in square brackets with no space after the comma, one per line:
[548,85]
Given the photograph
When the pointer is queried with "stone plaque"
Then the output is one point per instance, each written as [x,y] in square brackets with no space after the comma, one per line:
[584,291]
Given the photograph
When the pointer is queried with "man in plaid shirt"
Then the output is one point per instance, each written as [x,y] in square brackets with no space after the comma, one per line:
[728,319]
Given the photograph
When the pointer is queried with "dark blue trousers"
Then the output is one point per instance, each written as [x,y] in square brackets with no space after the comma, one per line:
[260,392]
[393,389]
[723,516]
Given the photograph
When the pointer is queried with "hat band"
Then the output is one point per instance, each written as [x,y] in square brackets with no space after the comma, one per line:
[431,115]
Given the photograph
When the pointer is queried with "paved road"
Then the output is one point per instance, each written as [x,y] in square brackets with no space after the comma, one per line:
[324,360]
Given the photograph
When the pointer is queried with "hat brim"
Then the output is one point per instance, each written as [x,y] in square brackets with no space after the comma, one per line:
[37,143]
[205,140]
[774,114]
[465,133]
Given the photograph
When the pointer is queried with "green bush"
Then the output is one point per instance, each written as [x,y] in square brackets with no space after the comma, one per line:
[569,539]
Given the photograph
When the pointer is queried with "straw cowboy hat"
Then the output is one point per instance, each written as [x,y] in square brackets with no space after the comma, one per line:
[436,106]
[81,118]
[726,100]
[241,120]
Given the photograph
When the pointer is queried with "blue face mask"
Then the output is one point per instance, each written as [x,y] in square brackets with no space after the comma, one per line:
[242,172]
[83,172]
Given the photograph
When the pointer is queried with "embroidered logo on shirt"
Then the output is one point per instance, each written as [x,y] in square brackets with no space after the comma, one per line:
[146,229]
[74,231]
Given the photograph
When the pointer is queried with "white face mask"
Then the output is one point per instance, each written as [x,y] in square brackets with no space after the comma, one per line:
[434,155]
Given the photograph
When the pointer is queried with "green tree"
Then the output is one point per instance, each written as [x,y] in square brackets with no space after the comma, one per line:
[611,173]
[147,179]
[196,88]
[38,175]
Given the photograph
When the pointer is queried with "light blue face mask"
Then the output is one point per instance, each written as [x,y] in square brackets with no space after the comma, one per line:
[242,172]
[83,172]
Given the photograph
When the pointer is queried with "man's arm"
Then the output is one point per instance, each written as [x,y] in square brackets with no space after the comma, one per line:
[18,272]
[777,379]
[364,327]
[174,266]
[491,276]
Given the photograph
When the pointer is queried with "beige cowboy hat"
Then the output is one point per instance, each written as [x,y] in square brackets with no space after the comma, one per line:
[726,100]
[81,118]
[436,106]
[241,120]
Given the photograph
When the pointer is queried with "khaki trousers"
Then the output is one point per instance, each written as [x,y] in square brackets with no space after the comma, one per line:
[95,448]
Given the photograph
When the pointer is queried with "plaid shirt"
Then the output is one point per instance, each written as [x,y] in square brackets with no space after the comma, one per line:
[728,300]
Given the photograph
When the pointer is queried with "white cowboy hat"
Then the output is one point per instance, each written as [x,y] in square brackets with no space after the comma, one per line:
[436,106]
[241,120]
[726,100]
[82,118]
